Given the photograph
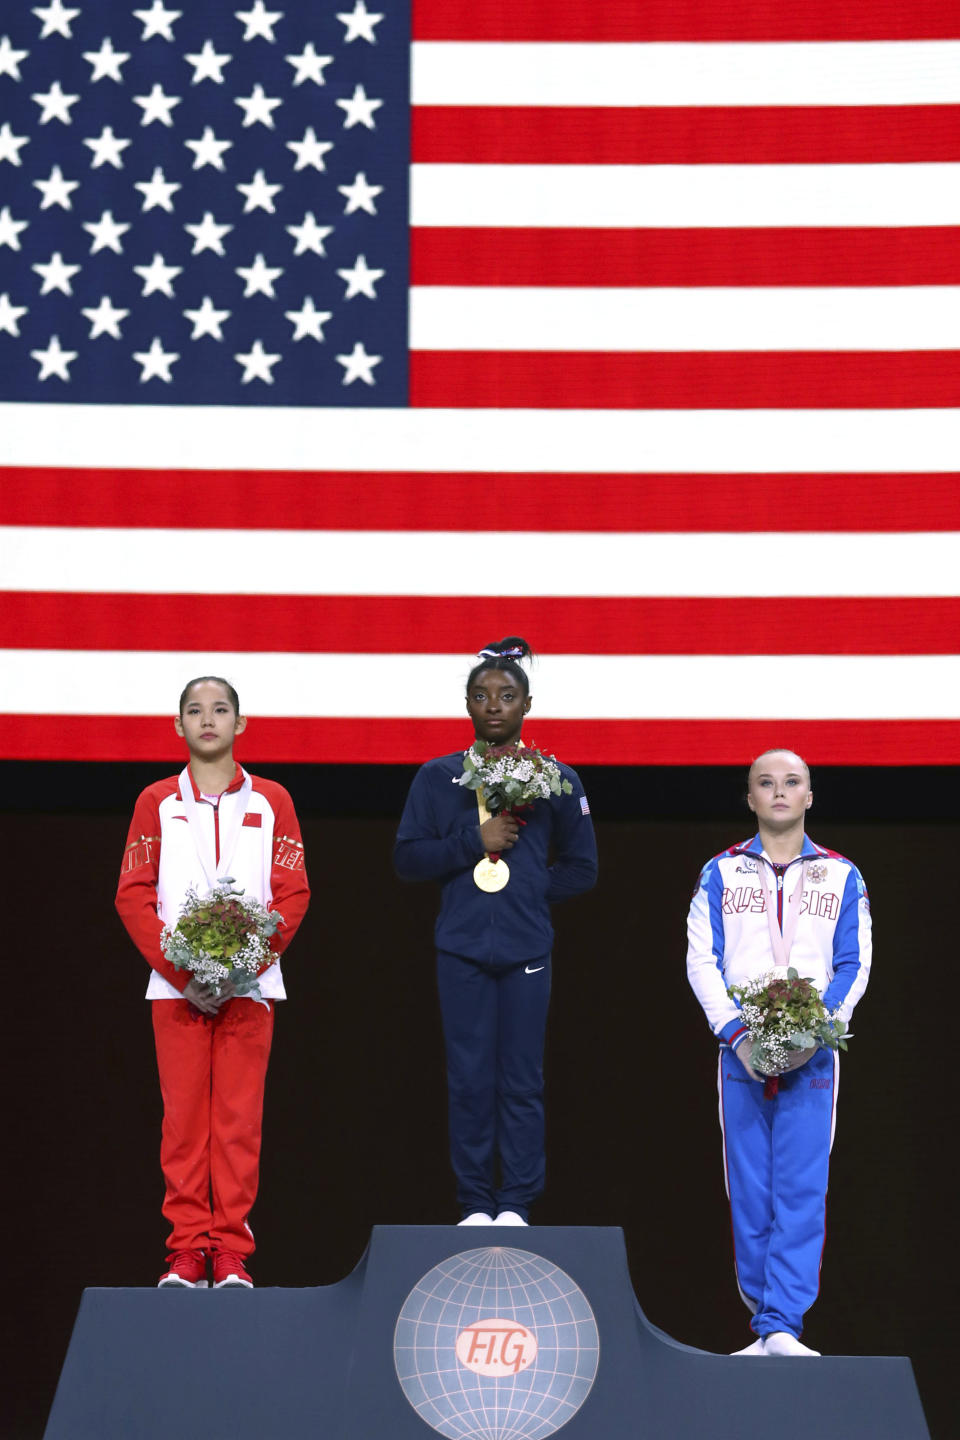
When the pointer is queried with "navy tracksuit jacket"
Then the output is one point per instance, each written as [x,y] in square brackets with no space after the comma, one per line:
[439,839]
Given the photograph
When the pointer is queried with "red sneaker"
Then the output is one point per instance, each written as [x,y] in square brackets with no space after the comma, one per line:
[229,1271]
[187,1268]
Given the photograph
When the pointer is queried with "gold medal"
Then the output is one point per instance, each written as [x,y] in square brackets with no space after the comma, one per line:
[491,875]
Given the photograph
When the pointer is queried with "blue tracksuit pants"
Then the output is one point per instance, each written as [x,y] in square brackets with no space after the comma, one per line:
[494,1024]
[777,1157]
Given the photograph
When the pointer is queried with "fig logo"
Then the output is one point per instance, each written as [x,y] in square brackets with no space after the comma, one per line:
[496,1347]
[496,1344]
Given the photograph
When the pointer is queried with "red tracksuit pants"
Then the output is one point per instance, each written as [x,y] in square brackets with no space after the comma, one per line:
[212,1076]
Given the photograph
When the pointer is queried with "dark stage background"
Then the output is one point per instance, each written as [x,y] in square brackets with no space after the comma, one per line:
[355,1124]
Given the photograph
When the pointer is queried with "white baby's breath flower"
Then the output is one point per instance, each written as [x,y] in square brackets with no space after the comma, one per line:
[184,944]
[791,1021]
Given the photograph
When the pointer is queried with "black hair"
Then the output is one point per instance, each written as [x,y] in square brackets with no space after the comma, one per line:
[211,679]
[504,654]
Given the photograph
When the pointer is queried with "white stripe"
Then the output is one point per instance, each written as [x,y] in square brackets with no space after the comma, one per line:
[688,196]
[774,73]
[567,319]
[163,437]
[751,1305]
[575,687]
[337,562]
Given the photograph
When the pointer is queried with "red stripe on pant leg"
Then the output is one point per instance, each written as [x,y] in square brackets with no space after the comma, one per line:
[833,1128]
[748,1301]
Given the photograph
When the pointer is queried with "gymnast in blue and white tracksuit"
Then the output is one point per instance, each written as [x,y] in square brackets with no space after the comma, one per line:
[494,949]
[776,1150]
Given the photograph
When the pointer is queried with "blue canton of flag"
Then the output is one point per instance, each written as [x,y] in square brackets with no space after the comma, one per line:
[204,206]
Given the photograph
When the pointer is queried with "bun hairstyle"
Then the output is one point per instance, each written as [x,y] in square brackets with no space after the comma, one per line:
[210,679]
[507,654]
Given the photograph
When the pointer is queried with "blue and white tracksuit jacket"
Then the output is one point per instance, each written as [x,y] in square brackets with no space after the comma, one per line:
[493,971]
[776,1151]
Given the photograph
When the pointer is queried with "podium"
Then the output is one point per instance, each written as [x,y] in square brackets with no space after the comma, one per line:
[479,1334]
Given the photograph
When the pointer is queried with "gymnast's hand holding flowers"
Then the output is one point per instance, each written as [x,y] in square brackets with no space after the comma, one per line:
[787,1022]
[508,778]
[223,939]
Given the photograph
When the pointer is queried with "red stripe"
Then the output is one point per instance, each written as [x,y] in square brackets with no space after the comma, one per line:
[685,135]
[267,500]
[564,625]
[908,255]
[579,742]
[685,380]
[431,502]
[627,20]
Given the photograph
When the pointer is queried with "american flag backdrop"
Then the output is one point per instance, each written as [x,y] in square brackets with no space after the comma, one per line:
[339,339]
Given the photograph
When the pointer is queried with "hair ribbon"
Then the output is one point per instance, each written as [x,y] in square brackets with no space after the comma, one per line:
[513,653]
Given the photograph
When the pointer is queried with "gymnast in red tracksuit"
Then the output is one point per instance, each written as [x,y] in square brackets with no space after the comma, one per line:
[212,821]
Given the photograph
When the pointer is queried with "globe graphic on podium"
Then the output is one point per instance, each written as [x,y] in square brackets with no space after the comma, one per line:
[496,1344]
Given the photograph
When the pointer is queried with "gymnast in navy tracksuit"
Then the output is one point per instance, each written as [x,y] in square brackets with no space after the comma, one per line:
[493,961]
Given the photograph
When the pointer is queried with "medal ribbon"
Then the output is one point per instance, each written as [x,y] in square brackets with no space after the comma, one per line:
[485,815]
[231,819]
[781,942]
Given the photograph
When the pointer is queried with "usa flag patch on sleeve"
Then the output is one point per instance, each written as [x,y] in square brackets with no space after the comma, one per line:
[584,805]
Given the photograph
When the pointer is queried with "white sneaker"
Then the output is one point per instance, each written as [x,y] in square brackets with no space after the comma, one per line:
[479,1217]
[509,1217]
[781,1342]
[757,1348]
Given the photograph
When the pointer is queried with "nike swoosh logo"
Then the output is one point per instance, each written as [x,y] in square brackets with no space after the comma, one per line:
[528,971]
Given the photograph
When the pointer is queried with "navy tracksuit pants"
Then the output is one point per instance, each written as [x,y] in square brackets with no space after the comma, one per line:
[777,1159]
[494,1025]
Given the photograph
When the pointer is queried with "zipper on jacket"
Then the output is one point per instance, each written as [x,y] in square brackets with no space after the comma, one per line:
[779,871]
[214,802]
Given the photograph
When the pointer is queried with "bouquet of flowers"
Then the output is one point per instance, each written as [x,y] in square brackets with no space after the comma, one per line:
[511,776]
[783,1014]
[221,935]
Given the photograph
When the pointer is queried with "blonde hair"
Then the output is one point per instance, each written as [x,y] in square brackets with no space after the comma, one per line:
[779,750]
